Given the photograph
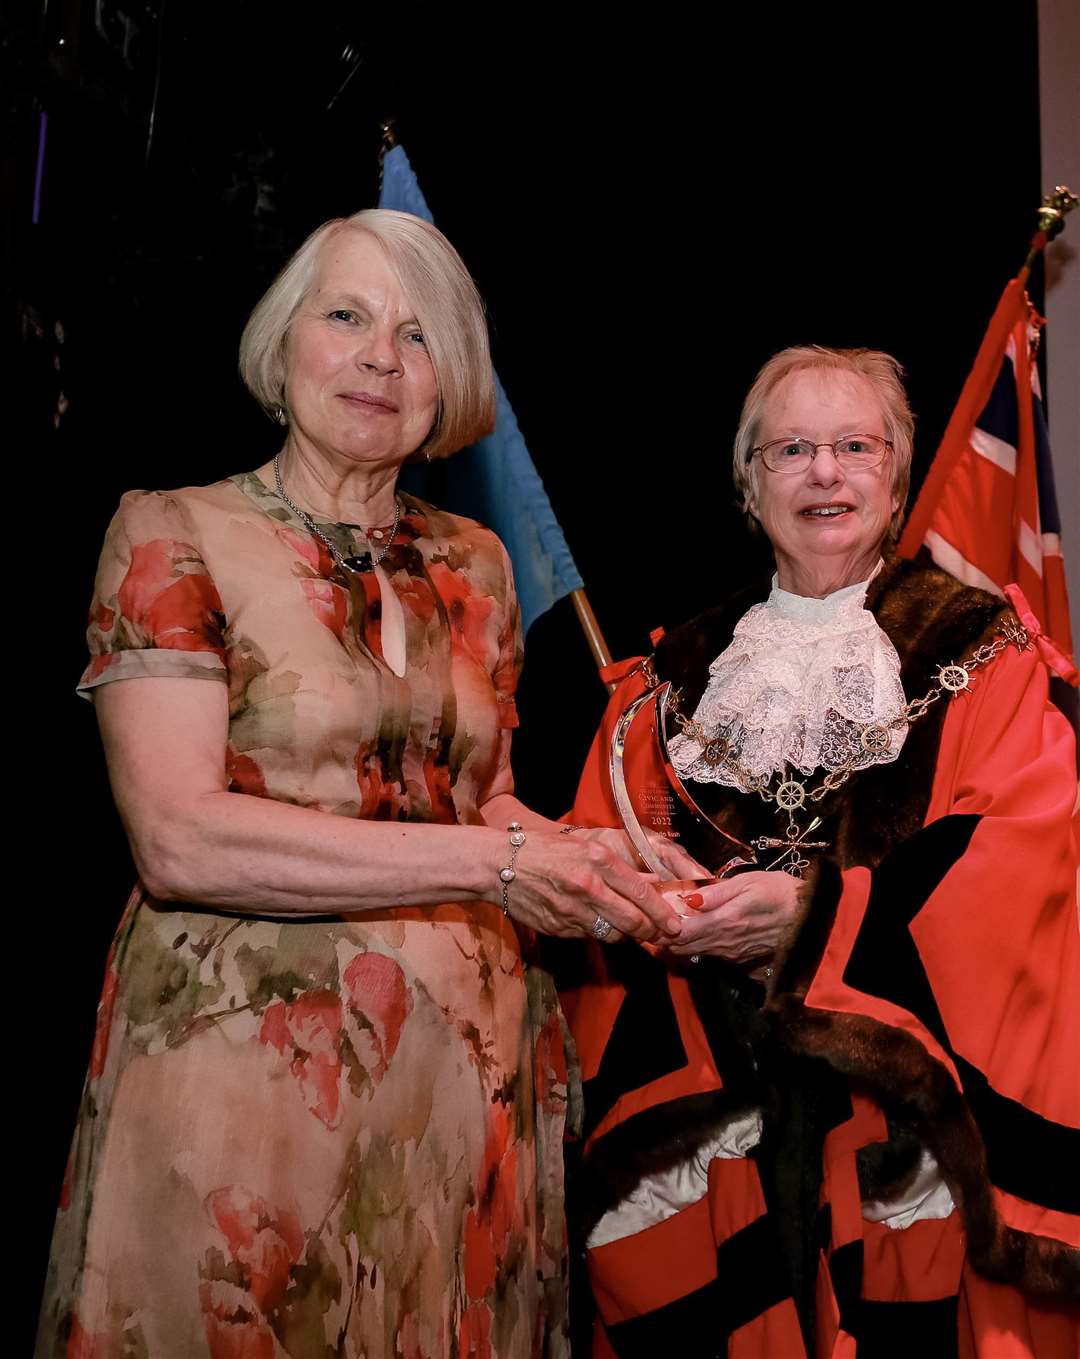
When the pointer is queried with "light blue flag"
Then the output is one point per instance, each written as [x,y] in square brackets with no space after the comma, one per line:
[493,480]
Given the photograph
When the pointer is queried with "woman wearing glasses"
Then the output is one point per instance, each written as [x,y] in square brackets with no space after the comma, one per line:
[836,1115]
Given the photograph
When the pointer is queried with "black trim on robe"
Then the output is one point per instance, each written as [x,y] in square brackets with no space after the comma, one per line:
[1026,1153]
[698,1325]
[645,1041]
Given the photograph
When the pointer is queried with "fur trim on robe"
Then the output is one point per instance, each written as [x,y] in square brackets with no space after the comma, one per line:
[937,964]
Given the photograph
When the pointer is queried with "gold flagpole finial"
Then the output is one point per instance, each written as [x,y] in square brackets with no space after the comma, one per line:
[388,142]
[1055,208]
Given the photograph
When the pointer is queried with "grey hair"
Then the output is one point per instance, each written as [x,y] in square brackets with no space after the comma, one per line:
[884,373]
[441,293]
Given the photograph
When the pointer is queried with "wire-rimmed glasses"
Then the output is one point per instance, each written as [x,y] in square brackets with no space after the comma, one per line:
[854,452]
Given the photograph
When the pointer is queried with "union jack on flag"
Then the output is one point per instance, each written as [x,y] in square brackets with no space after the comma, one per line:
[987,512]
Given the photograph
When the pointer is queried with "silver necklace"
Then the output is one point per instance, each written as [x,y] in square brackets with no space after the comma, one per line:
[358,565]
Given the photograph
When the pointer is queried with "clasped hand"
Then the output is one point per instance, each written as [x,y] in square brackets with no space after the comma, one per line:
[742,918]
[565,881]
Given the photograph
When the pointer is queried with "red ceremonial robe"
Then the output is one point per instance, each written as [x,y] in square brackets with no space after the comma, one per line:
[930,995]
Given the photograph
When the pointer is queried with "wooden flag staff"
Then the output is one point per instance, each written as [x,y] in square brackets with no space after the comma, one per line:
[591,628]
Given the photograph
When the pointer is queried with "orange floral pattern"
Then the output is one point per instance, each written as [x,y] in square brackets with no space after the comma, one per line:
[329,603]
[104,1023]
[379,998]
[317,1136]
[167,598]
[308,1032]
[468,612]
[263,1246]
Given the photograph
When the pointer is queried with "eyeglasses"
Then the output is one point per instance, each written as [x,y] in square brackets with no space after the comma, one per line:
[854,452]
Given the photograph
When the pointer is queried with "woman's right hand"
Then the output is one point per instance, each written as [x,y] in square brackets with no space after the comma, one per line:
[563,882]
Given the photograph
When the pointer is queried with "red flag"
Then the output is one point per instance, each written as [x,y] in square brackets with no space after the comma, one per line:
[987,511]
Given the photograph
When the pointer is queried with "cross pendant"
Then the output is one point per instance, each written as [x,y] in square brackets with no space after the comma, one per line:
[793,843]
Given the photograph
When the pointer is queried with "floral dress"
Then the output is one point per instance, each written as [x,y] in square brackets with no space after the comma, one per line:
[332,1136]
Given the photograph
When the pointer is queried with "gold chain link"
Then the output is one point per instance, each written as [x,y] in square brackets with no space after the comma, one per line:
[873,738]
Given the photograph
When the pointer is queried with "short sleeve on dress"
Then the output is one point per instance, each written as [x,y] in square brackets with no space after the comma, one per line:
[511,651]
[156,610]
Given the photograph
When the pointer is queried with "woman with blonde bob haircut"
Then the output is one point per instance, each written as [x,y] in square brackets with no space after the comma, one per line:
[448,309]
[325,1106]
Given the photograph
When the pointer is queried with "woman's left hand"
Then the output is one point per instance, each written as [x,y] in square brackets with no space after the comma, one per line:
[741,919]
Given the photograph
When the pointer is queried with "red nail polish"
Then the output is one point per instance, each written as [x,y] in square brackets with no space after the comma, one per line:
[693,899]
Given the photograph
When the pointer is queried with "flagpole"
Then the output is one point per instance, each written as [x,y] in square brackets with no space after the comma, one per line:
[980,380]
[388,142]
[1055,207]
[591,628]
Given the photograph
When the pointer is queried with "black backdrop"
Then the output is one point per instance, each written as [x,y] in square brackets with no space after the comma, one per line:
[651,205]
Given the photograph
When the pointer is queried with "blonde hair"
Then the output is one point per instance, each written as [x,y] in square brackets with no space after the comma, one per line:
[884,373]
[440,291]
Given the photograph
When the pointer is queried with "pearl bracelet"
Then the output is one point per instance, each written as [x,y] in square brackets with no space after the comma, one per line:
[508,874]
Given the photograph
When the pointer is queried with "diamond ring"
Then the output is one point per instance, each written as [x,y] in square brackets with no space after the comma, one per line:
[601,928]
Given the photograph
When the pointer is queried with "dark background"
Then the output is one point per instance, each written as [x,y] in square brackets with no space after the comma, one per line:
[652,204]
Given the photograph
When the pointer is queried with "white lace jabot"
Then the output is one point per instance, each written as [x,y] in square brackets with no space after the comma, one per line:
[799,680]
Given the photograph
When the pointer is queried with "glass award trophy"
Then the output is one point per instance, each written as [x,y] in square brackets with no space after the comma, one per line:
[653,801]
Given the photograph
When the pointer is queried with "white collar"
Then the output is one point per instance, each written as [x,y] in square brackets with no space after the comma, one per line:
[810,609]
[799,680]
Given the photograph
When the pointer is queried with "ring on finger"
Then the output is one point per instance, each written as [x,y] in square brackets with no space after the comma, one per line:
[601,928]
